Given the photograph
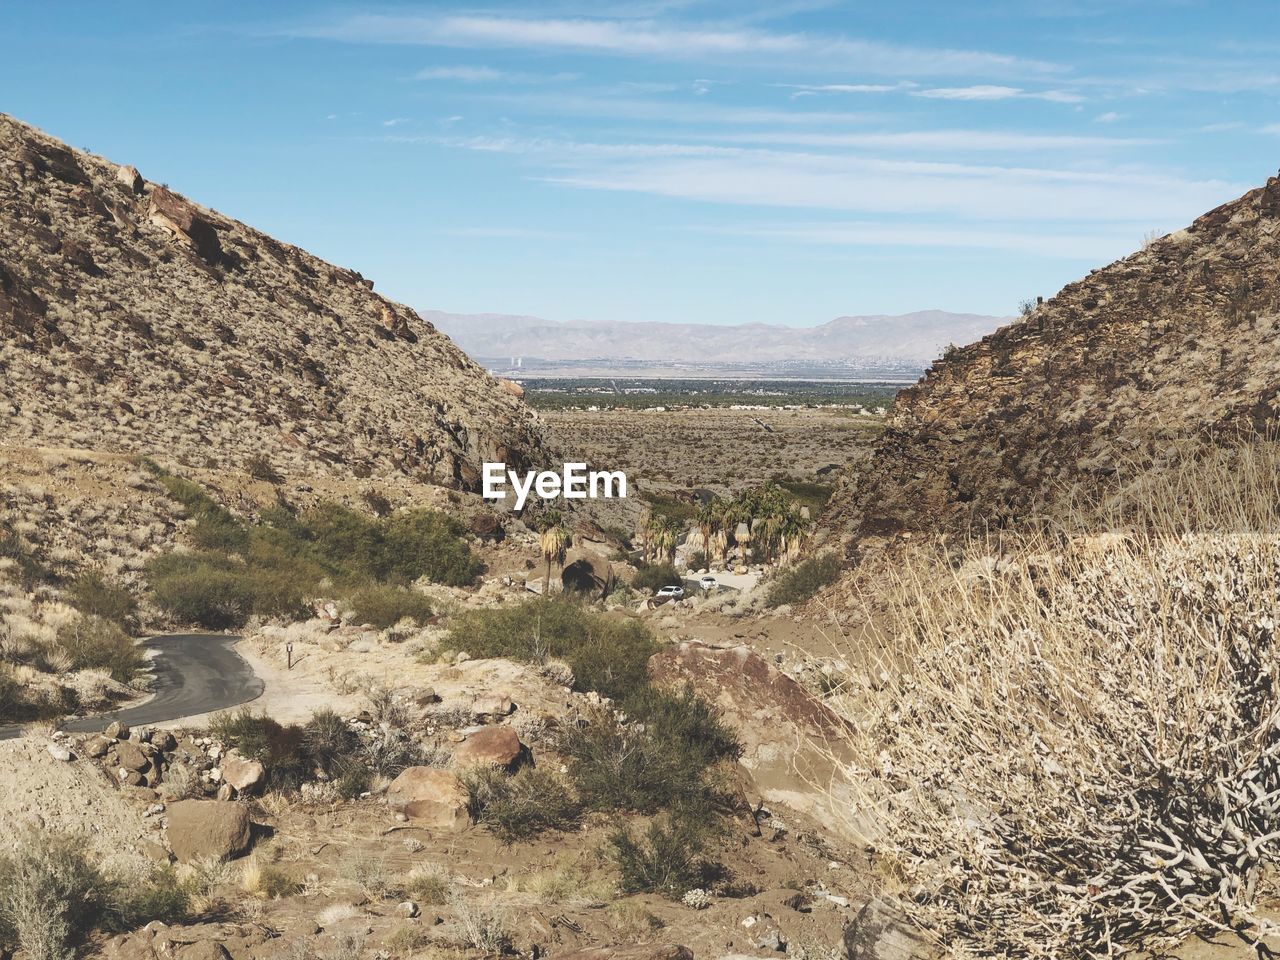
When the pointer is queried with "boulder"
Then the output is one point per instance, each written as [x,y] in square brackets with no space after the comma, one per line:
[244,774]
[434,796]
[487,526]
[640,951]
[587,573]
[493,705]
[96,746]
[116,731]
[207,829]
[131,756]
[131,178]
[204,950]
[882,932]
[491,747]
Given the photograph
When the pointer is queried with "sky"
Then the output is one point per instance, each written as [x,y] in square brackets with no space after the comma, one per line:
[719,161]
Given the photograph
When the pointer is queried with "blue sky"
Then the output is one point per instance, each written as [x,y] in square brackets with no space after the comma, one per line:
[689,160]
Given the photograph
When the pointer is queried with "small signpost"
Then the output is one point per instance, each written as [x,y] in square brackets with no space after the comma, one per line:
[288,649]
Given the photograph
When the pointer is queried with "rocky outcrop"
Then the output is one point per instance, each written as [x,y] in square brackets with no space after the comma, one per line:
[491,747]
[1177,340]
[136,321]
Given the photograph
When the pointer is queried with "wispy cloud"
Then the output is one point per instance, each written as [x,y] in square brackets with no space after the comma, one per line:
[395,122]
[987,91]
[659,39]
[479,74]
[961,141]
[868,184]
[1109,117]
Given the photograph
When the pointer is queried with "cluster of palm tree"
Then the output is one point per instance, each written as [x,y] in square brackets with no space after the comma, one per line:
[660,535]
[765,519]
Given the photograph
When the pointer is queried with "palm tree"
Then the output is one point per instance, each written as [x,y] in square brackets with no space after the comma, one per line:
[669,531]
[554,540]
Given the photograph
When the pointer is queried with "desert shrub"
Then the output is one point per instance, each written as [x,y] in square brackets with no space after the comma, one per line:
[92,594]
[427,543]
[655,576]
[30,570]
[800,582]
[270,882]
[427,884]
[207,591]
[625,766]
[329,741]
[667,858]
[685,722]
[385,606]
[50,895]
[135,903]
[1092,718]
[281,748]
[607,655]
[92,642]
[12,706]
[522,805]
[376,501]
[260,468]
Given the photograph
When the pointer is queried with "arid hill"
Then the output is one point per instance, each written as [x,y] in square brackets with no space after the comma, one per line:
[134,321]
[1177,340]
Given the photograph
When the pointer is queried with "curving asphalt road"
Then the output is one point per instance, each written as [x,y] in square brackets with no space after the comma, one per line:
[194,674]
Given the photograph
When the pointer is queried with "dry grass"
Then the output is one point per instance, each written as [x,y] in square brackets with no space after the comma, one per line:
[1070,745]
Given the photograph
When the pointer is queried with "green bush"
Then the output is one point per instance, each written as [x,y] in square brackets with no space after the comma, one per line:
[51,896]
[797,584]
[93,642]
[655,576]
[626,766]
[685,721]
[134,904]
[92,594]
[260,468]
[523,805]
[12,706]
[282,749]
[666,859]
[208,591]
[386,606]
[426,543]
[329,741]
[607,655]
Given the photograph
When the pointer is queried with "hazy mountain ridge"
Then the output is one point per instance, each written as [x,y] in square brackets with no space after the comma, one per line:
[911,339]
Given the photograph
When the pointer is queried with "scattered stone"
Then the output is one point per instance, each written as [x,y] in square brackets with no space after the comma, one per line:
[208,829]
[643,951]
[494,705]
[59,753]
[408,909]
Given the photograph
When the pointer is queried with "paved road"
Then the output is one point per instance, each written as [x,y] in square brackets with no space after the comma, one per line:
[195,673]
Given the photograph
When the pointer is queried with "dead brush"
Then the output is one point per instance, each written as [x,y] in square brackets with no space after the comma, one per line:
[1070,746]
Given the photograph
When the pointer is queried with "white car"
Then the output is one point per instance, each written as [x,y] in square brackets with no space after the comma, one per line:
[708,583]
[671,592]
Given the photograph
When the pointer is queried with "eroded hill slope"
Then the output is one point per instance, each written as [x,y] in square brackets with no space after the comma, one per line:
[1181,339]
[134,321]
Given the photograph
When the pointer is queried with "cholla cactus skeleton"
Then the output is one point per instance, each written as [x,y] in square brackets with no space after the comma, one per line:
[1079,754]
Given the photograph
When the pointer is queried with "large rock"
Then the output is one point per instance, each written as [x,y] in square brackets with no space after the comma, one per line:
[245,774]
[640,951]
[131,756]
[434,796]
[587,573]
[207,829]
[790,739]
[882,932]
[491,747]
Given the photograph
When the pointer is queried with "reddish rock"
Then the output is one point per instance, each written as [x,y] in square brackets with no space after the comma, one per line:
[434,796]
[491,747]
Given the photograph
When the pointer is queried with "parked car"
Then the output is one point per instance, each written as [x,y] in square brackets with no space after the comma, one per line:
[671,592]
[708,583]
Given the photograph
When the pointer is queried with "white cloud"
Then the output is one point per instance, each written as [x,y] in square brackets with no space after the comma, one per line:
[395,122]
[943,140]
[474,74]
[867,184]
[656,39]
[811,88]
[1109,117]
[986,91]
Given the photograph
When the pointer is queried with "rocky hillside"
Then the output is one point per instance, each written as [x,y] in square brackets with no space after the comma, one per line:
[134,321]
[1181,339]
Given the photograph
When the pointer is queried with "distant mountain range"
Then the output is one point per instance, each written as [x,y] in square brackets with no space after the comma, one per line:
[903,344]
